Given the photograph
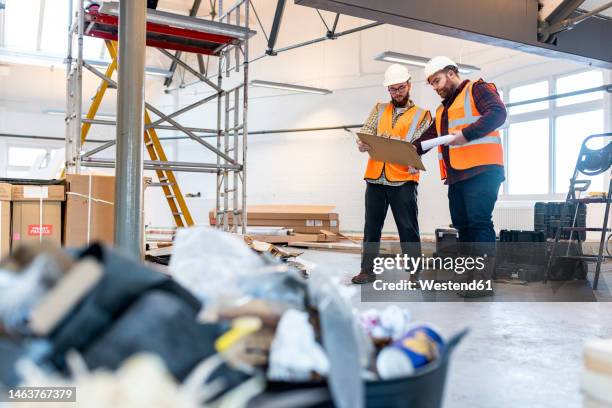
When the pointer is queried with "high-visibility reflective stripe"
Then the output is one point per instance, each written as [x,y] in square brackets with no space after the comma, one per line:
[440,156]
[463,121]
[482,140]
[468,116]
[413,125]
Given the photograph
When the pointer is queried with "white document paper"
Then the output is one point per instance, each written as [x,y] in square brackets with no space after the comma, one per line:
[441,140]
[35,192]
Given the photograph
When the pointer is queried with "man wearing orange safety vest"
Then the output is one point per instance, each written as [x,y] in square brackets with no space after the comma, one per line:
[390,184]
[472,164]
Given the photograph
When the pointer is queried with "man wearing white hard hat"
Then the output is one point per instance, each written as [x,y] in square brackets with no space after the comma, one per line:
[389,184]
[472,164]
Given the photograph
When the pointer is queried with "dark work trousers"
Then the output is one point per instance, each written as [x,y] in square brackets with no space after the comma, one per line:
[471,205]
[403,202]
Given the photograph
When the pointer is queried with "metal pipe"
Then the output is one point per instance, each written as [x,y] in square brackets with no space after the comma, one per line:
[192,13]
[78,111]
[316,40]
[185,109]
[607,88]
[245,116]
[69,88]
[147,167]
[130,127]
[98,149]
[570,23]
[176,125]
[278,16]
[259,21]
[189,133]
[333,30]
[160,163]
[231,9]
[162,127]
[193,71]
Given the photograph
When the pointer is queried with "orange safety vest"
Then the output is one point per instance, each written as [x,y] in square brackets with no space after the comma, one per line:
[404,128]
[479,152]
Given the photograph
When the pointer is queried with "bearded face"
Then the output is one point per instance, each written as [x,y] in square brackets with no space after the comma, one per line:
[400,94]
[442,84]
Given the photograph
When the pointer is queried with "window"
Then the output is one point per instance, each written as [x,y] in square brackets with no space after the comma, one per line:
[42,26]
[575,82]
[525,93]
[571,130]
[21,18]
[23,156]
[20,160]
[54,35]
[528,157]
[543,139]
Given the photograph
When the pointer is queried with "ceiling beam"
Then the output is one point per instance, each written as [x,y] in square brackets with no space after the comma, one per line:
[504,23]
[192,13]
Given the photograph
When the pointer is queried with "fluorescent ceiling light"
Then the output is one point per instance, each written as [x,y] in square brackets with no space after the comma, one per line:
[290,87]
[57,112]
[416,61]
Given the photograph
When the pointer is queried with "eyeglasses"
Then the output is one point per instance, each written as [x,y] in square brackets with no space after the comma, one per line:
[397,90]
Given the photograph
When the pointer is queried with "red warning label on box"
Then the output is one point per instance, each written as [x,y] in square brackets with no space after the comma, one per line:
[37,229]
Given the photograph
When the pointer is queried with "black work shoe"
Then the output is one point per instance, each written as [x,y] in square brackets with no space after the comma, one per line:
[363,277]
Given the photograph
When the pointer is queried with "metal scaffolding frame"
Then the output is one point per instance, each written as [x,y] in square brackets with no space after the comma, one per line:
[227,39]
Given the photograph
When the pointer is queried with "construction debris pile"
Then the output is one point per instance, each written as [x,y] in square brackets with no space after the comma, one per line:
[230,324]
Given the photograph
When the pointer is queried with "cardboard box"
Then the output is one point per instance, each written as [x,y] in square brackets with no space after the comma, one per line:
[90,210]
[13,192]
[287,212]
[36,221]
[5,228]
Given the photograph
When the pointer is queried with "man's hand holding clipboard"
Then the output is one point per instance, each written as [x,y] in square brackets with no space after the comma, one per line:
[389,149]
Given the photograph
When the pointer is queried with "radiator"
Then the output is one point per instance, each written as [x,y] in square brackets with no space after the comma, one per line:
[517,216]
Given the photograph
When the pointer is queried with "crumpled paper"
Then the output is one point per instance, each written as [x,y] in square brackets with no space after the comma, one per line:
[294,353]
[391,322]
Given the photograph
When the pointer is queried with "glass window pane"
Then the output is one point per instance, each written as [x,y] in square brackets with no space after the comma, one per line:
[23,156]
[55,28]
[576,82]
[528,157]
[571,130]
[21,24]
[527,92]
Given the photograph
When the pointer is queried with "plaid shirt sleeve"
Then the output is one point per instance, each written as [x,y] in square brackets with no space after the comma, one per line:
[371,124]
[422,127]
[491,107]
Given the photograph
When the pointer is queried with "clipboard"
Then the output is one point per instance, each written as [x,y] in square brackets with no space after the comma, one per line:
[392,150]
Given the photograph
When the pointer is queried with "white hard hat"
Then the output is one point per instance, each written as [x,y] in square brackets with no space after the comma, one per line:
[436,64]
[396,74]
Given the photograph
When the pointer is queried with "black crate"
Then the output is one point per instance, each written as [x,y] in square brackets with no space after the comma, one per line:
[547,217]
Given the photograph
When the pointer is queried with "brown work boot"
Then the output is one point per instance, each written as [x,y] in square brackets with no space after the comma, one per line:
[363,277]
[485,275]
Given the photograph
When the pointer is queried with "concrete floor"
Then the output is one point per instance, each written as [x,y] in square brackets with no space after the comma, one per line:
[518,354]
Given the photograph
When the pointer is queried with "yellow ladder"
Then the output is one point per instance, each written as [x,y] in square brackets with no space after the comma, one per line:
[169,184]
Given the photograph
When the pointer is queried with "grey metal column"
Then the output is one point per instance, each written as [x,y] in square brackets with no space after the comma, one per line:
[130,127]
